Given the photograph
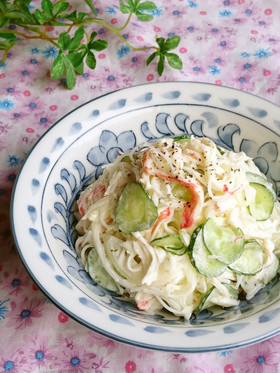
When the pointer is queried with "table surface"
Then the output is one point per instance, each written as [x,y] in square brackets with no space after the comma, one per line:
[234,43]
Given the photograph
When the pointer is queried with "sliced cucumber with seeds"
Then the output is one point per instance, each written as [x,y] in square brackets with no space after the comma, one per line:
[135,211]
[251,260]
[262,207]
[215,297]
[201,258]
[171,243]
[226,243]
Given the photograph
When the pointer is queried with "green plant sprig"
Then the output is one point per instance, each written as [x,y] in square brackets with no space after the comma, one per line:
[79,49]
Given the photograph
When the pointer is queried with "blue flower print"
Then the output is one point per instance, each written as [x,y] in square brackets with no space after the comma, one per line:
[13,161]
[34,51]
[245,54]
[262,53]
[225,353]
[226,13]
[110,146]
[157,12]
[3,309]
[3,65]
[192,4]
[111,10]
[50,52]
[6,104]
[214,70]
[123,51]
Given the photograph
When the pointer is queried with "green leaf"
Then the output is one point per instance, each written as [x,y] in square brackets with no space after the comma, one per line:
[63,41]
[138,8]
[47,7]
[7,35]
[4,21]
[60,7]
[41,17]
[76,58]
[80,69]
[124,8]
[172,42]
[90,4]
[174,60]
[144,17]
[70,73]
[161,61]
[161,42]
[81,15]
[147,5]
[152,57]
[91,60]
[77,38]
[57,69]
[93,35]
[98,45]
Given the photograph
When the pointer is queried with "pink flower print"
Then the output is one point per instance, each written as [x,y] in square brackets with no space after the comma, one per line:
[134,60]
[32,63]
[261,358]
[45,119]
[249,9]
[14,362]
[195,67]
[99,364]
[62,318]
[38,352]
[229,369]
[225,43]
[7,178]
[13,91]
[24,313]
[4,128]
[100,341]
[18,116]
[242,80]
[26,75]
[34,104]
[3,143]
[113,79]
[15,281]
[130,366]
[74,361]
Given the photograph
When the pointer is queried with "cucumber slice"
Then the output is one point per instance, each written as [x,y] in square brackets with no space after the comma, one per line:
[251,260]
[215,297]
[182,138]
[98,273]
[135,210]
[171,243]
[200,257]
[262,278]
[255,178]
[226,243]
[262,207]
[181,192]
[126,159]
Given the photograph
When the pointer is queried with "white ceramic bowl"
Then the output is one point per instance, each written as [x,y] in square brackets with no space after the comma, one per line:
[74,150]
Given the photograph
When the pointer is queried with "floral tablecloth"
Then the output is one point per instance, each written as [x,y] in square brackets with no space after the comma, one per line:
[234,43]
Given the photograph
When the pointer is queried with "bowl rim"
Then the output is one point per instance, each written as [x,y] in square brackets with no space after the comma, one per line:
[59,304]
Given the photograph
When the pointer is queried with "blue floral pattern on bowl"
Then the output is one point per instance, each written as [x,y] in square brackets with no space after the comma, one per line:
[73,152]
